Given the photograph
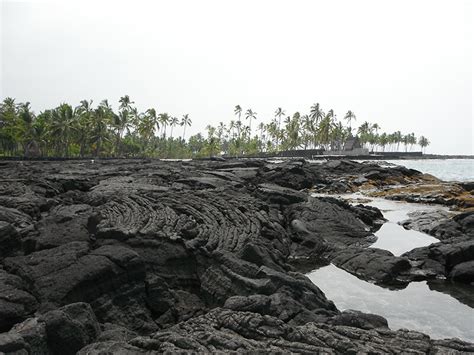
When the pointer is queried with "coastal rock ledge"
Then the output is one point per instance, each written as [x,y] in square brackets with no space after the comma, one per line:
[148,256]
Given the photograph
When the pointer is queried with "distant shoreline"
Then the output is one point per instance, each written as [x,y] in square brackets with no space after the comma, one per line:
[371,157]
[401,157]
[314,157]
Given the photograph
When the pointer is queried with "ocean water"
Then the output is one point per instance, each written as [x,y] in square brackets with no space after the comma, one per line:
[447,170]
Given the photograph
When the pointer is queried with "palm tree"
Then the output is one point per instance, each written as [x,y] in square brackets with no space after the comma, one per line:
[405,140]
[40,133]
[316,113]
[307,130]
[412,140]
[423,142]
[250,115]
[101,120]
[293,130]
[376,128]
[152,120]
[164,119]
[350,116]
[278,113]
[273,130]
[173,122]
[231,129]
[8,121]
[238,112]
[324,130]
[261,127]
[101,131]
[24,124]
[84,122]
[61,127]
[212,142]
[125,103]
[185,121]
[397,136]
[383,140]
[246,132]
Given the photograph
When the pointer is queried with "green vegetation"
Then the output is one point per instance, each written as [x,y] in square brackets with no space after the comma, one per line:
[88,131]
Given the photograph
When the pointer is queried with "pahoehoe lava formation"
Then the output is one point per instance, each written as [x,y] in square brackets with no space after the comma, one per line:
[145,256]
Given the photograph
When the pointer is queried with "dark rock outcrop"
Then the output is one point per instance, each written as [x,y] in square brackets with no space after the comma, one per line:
[16,300]
[453,257]
[62,331]
[225,330]
[441,224]
[143,256]
[373,264]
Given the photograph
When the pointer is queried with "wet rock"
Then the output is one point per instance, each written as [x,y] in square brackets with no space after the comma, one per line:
[371,216]
[360,181]
[460,291]
[466,221]
[338,187]
[359,319]
[468,186]
[439,223]
[463,272]
[373,264]
[452,257]
[333,221]
[429,192]
[440,259]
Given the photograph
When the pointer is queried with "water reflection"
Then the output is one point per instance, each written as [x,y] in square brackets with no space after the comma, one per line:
[415,307]
[392,236]
[397,240]
[464,293]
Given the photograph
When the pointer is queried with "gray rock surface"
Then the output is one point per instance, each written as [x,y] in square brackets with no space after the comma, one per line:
[147,256]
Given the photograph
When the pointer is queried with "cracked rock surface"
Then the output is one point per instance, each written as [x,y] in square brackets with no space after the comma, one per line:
[145,256]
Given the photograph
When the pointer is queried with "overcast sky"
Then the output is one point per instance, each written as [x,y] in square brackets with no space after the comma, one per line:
[406,65]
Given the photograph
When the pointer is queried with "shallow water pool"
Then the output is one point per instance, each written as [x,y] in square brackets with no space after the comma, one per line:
[415,307]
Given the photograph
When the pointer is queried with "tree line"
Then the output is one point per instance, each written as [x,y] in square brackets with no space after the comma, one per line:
[98,131]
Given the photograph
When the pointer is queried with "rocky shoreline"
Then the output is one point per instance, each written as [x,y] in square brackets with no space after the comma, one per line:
[138,257]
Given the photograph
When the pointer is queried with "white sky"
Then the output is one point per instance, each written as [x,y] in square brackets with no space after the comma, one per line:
[406,65]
